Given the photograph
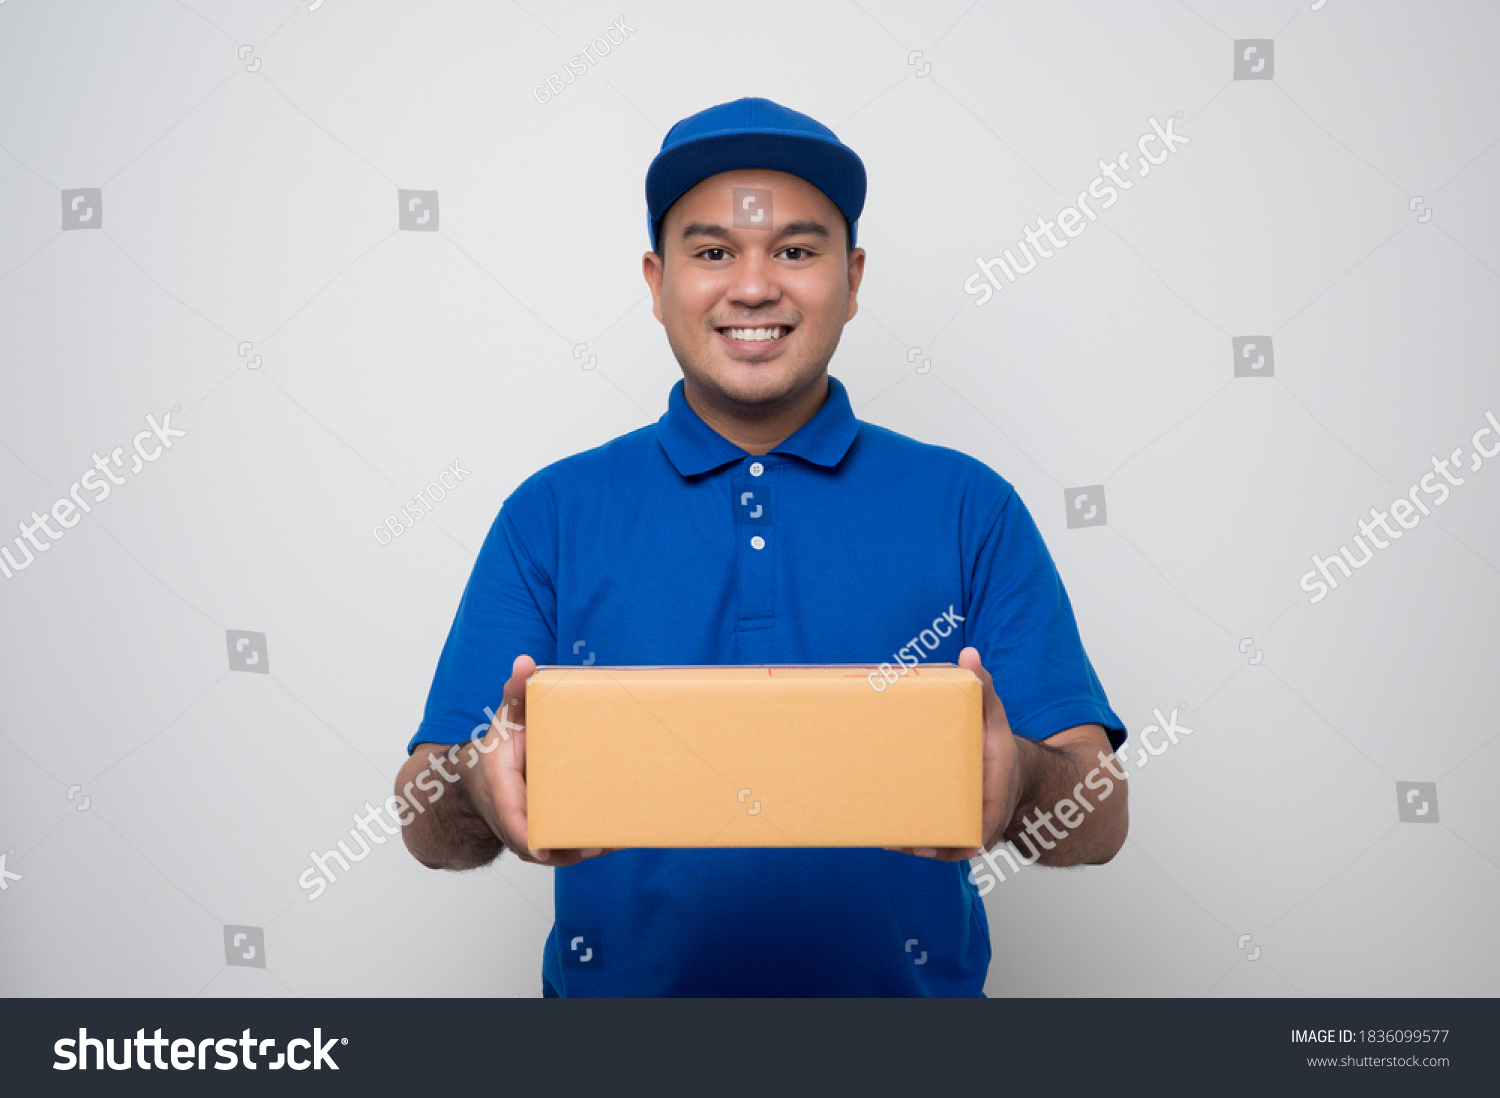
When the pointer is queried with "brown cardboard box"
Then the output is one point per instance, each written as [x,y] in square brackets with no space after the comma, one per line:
[741,756]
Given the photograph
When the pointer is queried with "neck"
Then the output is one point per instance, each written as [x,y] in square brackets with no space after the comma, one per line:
[760,429]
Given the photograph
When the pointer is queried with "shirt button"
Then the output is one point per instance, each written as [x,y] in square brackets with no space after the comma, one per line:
[756,469]
[757,542]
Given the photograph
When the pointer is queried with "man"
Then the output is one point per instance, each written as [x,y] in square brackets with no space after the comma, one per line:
[759,522]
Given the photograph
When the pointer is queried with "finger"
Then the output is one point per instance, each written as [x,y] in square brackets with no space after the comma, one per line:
[510,796]
[938,853]
[513,706]
[994,708]
[997,738]
[562,858]
[956,853]
[508,772]
[521,669]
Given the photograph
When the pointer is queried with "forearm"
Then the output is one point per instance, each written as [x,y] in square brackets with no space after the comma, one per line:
[1072,811]
[447,831]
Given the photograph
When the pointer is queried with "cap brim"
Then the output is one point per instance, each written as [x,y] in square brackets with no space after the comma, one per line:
[834,169]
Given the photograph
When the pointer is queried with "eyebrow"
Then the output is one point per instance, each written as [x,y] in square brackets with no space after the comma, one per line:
[804,227]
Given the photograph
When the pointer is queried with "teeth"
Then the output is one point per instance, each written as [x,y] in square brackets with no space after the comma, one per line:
[755,335]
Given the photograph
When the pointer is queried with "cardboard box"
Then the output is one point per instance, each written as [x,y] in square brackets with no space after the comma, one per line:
[742,756]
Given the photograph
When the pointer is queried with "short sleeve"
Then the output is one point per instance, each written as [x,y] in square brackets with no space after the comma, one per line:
[508,609]
[1020,620]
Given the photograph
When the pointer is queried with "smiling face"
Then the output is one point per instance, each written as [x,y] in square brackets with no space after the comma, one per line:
[754,283]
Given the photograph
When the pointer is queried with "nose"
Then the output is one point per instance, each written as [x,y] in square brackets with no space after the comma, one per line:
[754,282]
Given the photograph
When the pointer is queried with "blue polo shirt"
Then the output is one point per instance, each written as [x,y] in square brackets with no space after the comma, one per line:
[671,545]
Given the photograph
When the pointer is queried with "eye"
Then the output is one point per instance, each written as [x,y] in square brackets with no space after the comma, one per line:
[713,255]
[802,253]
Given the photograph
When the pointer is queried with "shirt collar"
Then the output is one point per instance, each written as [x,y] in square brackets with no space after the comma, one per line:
[694,447]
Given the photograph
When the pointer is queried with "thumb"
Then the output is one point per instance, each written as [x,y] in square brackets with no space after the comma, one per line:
[968,659]
[513,707]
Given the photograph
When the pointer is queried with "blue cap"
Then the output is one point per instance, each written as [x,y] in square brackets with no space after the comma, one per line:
[753,133]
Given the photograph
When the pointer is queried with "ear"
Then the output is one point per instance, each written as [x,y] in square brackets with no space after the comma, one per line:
[856,275]
[653,269]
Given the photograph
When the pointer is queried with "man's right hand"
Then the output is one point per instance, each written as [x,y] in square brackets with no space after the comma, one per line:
[493,789]
[498,789]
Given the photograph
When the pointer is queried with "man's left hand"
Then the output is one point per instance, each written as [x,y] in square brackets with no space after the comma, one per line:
[1001,770]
